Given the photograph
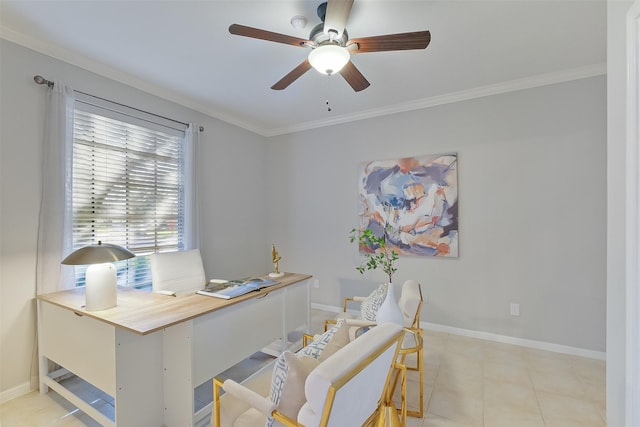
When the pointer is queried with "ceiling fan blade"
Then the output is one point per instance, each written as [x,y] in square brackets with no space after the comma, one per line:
[402,41]
[292,76]
[337,15]
[255,33]
[354,77]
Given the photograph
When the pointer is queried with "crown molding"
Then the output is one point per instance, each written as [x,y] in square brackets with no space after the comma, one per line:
[449,98]
[104,70]
[109,72]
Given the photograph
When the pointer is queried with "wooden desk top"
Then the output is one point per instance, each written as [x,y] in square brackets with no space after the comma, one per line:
[144,312]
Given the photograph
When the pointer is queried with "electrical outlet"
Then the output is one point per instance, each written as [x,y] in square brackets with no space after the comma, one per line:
[515,309]
[316,283]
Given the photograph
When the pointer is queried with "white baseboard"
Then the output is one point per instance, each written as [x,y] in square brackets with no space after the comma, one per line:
[14,392]
[539,345]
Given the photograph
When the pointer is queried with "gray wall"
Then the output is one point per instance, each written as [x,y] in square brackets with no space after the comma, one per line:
[231,166]
[532,205]
[532,210]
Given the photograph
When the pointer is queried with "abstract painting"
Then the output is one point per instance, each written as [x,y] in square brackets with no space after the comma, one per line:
[413,203]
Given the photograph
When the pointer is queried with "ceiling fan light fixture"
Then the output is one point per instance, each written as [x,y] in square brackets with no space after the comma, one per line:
[329,59]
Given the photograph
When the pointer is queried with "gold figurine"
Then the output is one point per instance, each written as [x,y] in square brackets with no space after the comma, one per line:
[275,258]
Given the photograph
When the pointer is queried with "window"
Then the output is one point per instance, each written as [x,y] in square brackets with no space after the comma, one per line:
[127,189]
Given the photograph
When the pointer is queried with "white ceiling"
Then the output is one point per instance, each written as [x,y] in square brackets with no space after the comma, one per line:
[182,51]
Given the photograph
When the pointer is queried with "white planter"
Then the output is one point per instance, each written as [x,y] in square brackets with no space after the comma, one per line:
[389,310]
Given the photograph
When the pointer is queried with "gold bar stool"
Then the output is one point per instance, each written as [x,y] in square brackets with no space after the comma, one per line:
[413,343]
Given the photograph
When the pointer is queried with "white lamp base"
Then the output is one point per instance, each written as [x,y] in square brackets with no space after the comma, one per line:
[101,287]
[276,274]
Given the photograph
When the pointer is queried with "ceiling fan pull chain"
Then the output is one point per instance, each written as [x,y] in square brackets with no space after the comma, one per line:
[327,89]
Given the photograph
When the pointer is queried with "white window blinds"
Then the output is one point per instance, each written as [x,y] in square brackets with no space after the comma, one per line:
[127,190]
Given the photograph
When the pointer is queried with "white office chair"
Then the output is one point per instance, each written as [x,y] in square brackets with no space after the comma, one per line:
[179,271]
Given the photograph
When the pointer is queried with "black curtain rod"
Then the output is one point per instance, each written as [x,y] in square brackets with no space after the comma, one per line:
[42,81]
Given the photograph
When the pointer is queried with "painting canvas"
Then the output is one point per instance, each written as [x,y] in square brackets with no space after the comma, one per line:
[413,202]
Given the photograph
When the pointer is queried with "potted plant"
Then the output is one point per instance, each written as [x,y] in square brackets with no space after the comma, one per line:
[381,257]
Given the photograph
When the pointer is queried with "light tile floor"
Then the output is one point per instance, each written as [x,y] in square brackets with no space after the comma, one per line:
[468,382]
[472,382]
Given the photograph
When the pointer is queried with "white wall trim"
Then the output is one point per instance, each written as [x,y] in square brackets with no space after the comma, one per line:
[109,72]
[14,392]
[464,95]
[632,225]
[449,98]
[538,345]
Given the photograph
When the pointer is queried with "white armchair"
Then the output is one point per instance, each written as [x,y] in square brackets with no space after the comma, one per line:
[349,388]
[179,271]
[410,304]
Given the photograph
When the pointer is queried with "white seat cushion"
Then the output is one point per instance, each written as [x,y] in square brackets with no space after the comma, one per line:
[344,315]
[232,408]
[287,384]
[250,418]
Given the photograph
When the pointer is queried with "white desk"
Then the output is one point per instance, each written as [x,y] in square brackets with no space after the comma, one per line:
[152,350]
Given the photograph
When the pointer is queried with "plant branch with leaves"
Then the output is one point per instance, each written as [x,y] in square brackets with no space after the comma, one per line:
[383,257]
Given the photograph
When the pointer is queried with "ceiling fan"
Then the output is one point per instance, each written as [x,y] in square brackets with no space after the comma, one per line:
[331,46]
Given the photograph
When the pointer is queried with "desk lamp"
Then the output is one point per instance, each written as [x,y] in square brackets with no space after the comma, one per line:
[101,283]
